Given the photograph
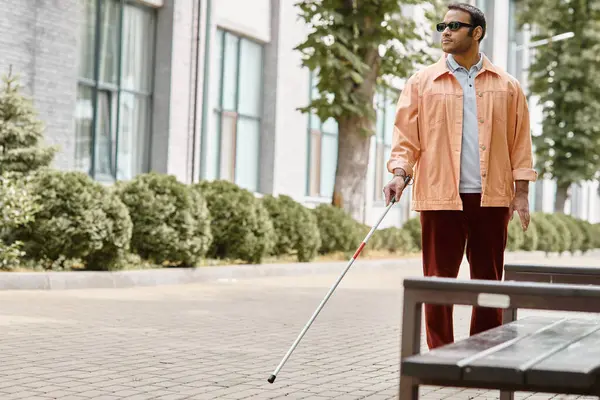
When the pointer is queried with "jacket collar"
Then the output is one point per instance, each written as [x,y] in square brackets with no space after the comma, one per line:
[440,67]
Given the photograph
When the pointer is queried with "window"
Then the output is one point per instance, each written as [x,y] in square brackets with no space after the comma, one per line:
[234,146]
[385,103]
[322,151]
[112,114]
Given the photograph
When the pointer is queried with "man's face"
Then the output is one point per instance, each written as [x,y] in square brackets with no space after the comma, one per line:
[459,41]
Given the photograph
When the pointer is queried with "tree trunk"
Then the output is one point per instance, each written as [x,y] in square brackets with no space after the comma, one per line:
[561,197]
[351,173]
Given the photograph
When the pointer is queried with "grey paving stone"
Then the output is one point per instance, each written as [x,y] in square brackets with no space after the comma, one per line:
[216,340]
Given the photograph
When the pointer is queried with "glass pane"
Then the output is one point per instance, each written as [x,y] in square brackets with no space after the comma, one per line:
[330,126]
[104,140]
[385,175]
[247,154]
[109,44]
[138,43]
[230,72]
[315,122]
[314,80]
[328,164]
[133,136]
[87,32]
[380,126]
[83,128]
[390,116]
[315,163]
[251,78]
[215,82]
[212,148]
[379,165]
[228,147]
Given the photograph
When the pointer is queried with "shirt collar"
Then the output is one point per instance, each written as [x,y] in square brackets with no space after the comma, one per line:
[453,65]
[441,67]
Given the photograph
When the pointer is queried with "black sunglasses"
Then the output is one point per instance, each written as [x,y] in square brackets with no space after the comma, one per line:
[454,26]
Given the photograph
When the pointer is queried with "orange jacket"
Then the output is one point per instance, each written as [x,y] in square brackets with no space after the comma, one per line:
[428,134]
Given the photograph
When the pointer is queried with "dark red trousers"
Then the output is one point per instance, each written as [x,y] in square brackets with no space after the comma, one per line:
[483,230]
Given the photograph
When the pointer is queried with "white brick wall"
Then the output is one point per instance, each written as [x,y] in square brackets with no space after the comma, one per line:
[39,39]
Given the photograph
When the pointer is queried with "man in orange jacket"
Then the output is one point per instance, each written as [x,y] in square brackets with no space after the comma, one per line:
[462,132]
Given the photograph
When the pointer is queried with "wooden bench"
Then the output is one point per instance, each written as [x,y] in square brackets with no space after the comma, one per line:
[552,274]
[535,354]
[568,274]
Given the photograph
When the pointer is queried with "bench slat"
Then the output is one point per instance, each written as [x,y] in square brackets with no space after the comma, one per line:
[576,366]
[509,364]
[555,269]
[442,363]
[441,285]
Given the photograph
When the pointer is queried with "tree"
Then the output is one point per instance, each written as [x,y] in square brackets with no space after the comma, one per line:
[565,76]
[354,48]
[21,133]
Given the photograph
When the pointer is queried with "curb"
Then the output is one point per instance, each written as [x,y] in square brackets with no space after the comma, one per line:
[57,280]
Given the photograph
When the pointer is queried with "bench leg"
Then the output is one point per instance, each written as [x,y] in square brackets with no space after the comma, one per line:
[509,315]
[411,343]
[506,395]
[409,390]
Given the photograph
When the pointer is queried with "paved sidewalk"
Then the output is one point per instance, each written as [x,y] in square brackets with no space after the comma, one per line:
[216,340]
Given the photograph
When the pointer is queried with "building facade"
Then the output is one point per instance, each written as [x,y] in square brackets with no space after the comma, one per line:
[209,89]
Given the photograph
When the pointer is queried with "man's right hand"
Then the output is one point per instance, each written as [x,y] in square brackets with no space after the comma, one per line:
[394,189]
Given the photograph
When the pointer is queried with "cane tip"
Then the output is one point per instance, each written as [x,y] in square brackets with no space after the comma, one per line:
[271,379]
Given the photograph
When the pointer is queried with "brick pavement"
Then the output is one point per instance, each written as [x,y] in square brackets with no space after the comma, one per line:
[212,341]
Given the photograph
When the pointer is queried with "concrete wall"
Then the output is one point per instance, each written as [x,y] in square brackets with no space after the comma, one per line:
[174,89]
[39,39]
[293,89]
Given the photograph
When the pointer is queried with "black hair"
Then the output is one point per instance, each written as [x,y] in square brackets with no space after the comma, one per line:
[477,16]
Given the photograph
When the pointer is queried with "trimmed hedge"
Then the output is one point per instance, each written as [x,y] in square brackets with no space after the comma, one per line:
[296,228]
[171,222]
[65,220]
[413,227]
[394,240]
[78,219]
[240,223]
[339,231]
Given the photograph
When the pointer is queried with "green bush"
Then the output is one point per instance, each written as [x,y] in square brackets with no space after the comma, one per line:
[295,227]
[564,233]
[171,222]
[394,240]
[413,227]
[577,235]
[516,238]
[338,230]
[78,219]
[548,236]
[587,233]
[18,206]
[530,238]
[596,236]
[240,223]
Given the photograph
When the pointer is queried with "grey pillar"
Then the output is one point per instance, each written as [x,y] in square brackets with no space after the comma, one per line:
[270,80]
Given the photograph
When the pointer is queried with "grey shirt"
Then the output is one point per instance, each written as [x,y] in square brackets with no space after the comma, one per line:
[470,174]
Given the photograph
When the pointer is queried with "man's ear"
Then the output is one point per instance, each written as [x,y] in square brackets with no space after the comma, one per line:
[477,33]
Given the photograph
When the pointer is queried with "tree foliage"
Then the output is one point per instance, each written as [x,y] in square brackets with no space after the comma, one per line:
[565,76]
[21,132]
[354,44]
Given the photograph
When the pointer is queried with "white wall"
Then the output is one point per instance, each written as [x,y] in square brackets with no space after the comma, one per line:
[248,17]
[500,48]
[293,88]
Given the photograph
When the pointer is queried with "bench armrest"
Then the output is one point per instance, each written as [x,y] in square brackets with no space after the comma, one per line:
[484,293]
